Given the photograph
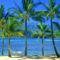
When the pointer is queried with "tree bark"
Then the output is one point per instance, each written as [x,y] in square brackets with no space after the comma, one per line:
[2,42]
[25,37]
[42,45]
[9,52]
[2,46]
[53,39]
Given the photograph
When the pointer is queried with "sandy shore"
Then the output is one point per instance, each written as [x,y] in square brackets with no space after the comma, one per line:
[24,58]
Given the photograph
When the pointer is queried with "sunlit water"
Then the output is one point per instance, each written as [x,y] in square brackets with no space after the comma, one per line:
[34,46]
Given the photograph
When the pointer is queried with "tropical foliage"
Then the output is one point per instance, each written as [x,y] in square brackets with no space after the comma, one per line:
[25,14]
[43,31]
[52,10]
[11,22]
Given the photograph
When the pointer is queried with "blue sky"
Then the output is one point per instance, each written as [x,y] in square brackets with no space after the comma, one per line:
[10,3]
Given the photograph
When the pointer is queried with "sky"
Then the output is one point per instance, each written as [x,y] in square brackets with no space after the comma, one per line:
[10,4]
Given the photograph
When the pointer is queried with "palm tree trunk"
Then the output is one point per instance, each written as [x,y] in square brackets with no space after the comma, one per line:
[9,52]
[2,46]
[42,45]
[25,37]
[53,39]
[2,42]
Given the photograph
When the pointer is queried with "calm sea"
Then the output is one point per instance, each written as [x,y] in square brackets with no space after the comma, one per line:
[34,46]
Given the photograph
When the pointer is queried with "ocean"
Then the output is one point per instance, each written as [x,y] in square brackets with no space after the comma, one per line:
[34,46]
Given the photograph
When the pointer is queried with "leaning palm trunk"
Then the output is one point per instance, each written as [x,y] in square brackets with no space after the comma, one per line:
[25,37]
[9,52]
[42,45]
[53,40]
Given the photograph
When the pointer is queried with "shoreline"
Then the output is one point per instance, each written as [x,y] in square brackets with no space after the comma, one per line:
[27,58]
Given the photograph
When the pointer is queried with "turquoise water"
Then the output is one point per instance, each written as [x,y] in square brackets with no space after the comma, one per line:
[34,46]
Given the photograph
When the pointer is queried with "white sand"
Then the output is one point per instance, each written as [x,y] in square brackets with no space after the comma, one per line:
[8,58]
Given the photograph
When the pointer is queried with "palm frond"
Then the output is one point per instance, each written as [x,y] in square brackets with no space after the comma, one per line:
[56,7]
[16,12]
[30,6]
[56,25]
[51,4]
[1,11]
[57,34]
[40,26]
[48,30]
[44,13]
[38,18]
[43,4]
[25,4]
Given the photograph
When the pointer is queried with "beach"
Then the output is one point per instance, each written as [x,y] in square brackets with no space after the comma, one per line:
[29,30]
[25,58]
[34,53]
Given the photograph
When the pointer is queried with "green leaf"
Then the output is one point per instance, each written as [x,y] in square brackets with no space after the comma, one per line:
[30,6]
[1,11]
[56,7]
[21,22]
[51,4]
[38,18]
[50,14]
[25,4]
[40,26]
[57,25]
[41,13]
[48,30]
[16,12]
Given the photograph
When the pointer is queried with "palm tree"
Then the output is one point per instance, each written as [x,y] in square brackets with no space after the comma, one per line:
[51,11]
[11,30]
[26,13]
[43,31]
[6,27]
[2,25]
